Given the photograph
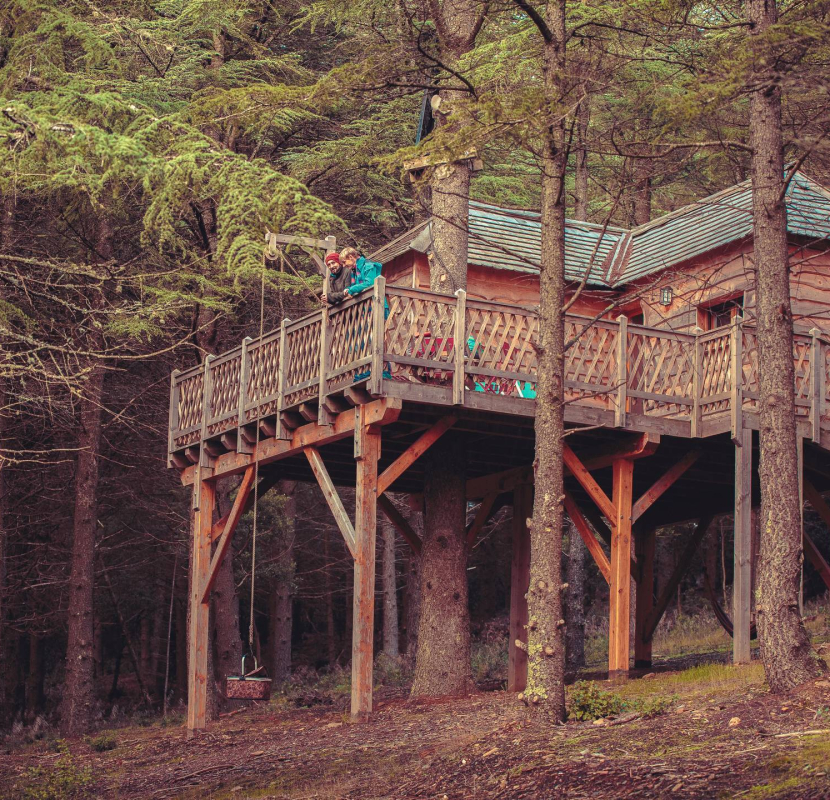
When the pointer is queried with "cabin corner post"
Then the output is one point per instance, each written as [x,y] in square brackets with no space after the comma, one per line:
[366,452]
[460,337]
[622,371]
[742,584]
[644,546]
[519,585]
[620,589]
[378,335]
[244,375]
[198,638]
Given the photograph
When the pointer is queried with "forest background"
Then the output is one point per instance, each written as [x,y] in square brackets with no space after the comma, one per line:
[146,148]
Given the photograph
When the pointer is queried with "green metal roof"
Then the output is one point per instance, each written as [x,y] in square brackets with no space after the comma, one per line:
[509,239]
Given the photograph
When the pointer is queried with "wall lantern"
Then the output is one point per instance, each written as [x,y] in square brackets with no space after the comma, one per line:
[666,296]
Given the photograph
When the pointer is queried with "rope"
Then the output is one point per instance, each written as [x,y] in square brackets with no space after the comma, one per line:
[256,466]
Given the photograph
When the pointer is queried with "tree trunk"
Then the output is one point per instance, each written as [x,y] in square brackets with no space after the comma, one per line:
[283,600]
[34,680]
[443,661]
[412,614]
[390,591]
[78,692]
[574,600]
[545,690]
[788,656]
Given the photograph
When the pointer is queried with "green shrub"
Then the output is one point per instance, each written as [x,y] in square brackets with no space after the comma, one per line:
[588,701]
[653,706]
[103,742]
[64,780]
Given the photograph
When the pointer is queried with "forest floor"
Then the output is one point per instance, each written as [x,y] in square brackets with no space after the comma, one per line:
[710,730]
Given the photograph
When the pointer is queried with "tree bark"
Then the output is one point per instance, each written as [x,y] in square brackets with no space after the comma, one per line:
[788,656]
[283,600]
[390,591]
[78,692]
[545,690]
[443,661]
[574,601]
[412,612]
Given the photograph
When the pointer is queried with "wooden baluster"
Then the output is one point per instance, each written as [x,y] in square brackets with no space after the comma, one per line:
[697,383]
[282,431]
[323,416]
[736,372]
[204,457]
[378,335]
[816,384]
[173,418]
[242,445]
[622,371]
[460,336]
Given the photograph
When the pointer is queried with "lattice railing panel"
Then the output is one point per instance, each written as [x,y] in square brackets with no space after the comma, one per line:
[224,401]
[499,350]
[749,358]
[420,337]
[189,410]
[349,342]
[663,367]
[261,393]
[591,362]
[802,346]
[716,380]
[303,368]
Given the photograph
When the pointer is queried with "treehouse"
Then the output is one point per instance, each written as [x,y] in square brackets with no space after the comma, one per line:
[661,389]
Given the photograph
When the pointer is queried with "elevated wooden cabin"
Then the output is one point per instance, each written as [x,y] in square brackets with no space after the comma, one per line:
[661,383]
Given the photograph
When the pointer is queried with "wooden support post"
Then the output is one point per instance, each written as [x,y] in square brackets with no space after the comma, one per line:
[198,639]
[460,342]
[622,372]
[644,544]
[799,449]
[173,418]
[736,374]
[697,383]
[367,451]
[519,584]
[378,336]
[816,384]
[742,584]
[619,625]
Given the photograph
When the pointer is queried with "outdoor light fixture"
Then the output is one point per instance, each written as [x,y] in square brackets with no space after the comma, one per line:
[666,296]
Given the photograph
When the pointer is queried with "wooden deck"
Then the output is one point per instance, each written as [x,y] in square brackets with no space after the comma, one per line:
[449,351]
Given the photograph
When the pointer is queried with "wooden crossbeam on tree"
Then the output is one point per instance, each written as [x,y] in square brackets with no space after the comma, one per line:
[400,522]
[225,539]
[413,453]
[332,497]
[663,484]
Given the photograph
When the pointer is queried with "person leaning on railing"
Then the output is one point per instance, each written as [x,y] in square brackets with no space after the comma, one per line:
[339,280]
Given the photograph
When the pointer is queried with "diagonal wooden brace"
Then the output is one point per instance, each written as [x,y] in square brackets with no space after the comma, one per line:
[594,547]
[482,515]
[413,453]
[332,498]
[265,484]
[400,522]
[586,480]
[227,534]
[663,484]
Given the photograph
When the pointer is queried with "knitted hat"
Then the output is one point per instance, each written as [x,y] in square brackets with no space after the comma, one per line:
[332,258]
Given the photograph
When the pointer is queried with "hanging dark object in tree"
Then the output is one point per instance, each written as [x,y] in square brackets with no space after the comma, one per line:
[426,121]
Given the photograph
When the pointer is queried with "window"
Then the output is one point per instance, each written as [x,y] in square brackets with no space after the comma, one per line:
[720,314]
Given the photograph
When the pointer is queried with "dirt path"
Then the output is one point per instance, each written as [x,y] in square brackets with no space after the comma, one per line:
[719,738]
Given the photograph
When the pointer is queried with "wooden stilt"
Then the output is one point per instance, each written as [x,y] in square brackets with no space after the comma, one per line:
[519,584]
[644,543]
[742,585]
[619,625]
[367,451]
[198,633]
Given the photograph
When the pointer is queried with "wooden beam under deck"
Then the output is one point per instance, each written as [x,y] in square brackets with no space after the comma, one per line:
[332,497]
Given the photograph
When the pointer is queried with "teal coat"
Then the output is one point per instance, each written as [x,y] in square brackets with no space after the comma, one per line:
[365,273]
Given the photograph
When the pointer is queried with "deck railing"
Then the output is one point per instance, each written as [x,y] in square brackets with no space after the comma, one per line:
[456,351]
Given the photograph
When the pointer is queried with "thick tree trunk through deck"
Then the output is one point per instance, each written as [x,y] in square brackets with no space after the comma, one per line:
[443,661]
[786,651]
[78,691]
[546,640]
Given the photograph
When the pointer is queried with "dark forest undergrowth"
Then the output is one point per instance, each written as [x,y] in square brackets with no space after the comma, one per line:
[710,730]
